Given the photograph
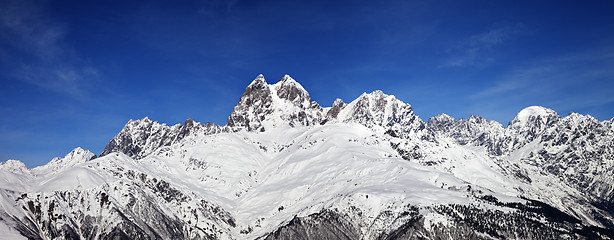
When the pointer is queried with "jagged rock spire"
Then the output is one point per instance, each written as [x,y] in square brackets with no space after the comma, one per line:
[263,105]
[255,103]
[289,89]
[333,112]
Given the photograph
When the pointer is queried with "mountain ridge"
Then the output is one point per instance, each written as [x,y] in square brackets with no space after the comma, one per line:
[284,167]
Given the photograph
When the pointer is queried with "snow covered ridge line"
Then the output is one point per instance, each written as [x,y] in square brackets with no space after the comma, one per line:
[286,103]
[284,167]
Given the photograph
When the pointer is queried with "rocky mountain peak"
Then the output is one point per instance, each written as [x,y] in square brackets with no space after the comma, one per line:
[80,153]
[141,137]
[14,166]
[257,90]
[534,115]
[136,122]
[577,117]
[338,102]
[378,108]
[286,80]
[258,82]
[289,89]
[441,122]
[528,125]
[377,100]
[334,110]
[284,103]
[74,157]
[254,105]
[442,117]
[477,119]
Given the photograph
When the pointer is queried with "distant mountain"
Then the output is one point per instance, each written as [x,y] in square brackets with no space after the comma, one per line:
[284,167]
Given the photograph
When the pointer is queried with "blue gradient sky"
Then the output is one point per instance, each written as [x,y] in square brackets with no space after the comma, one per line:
[72,73]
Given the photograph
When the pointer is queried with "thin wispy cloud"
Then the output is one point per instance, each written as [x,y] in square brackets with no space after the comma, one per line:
[71,79]
[45,60]
[517,79]
[553,74]
[473,51]
[569,82]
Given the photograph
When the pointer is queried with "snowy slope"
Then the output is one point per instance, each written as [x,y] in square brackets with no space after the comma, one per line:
[286,168]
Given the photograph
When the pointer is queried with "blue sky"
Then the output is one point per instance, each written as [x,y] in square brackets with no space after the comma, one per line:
[72,73]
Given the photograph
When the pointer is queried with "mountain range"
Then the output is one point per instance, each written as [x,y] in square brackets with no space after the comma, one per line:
[284,167]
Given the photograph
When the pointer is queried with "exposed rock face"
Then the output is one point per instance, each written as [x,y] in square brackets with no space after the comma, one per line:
[324,225]
[528,124]
[379,109]
[255,104]
[137,210]
[579,150]
[140,138]
[576,150]
[523,224]
[334,110]
[290,90]
[441,122]
[475,130]
[264,106]
[286,168]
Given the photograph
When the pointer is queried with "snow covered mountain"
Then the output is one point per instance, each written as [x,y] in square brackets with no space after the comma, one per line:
[141,137]
[284,167]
